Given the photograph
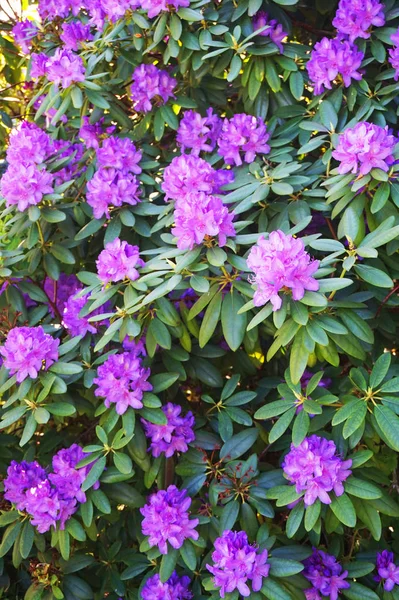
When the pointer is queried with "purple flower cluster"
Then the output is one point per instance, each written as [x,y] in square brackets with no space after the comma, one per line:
[154,7]
[26,181]
[65,68]
[332,58]
[166,519]
[175,435]
[24,32]
[197,133]
[274,31]
[316,469]
[151,86]
[80,325]
[394,54]
[118,261]
[59,292]
[189,175]
[122,380]
[38,66]
[98,10]
[388,571]
[243,137]
[281,263]
[176,588]
[27,350]
[364,147]
[354,18]
[235,562]
[325,574]
[48,498]
[74,33]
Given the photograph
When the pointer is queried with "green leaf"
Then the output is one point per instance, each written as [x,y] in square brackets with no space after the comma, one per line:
[299,357]
[239,444]
[187,552]
[295,519]
[94,473]
[328,115]
[281,426]
[380,369]
[282,567]
[168,564]
[163,381]
[312,514]
[210,320]
[369,516]
[389,425]
[273,409]
[9,537]
[229,516]
[362,489]
[357,591]
[343,509]
[233,324]
[123,463]
[64,543]
[380,197]
[270,588]
[374,276]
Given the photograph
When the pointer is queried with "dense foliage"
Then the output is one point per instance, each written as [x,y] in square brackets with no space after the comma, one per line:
[199,298]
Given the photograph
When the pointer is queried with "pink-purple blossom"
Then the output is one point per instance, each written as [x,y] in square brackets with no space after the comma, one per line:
[74,33]
[198,133]
[110,187]
[76,324]
[25,185]
[237,563]
[314,467]
[122,380]
[333,58]
[176,588]
[354,18]
[118,261]
[364,147]
[154,7]
[274,31]
[65,68]
[119,153]
[24,32]
[59,292]
[166,519]
[29,144]
[387,570]
[281,263]
[325,574]
[28,350]
[175,435]
[150,86]
[243,137]
[38,66]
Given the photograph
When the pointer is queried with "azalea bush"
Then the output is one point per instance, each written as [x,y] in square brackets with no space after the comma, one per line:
[199,300]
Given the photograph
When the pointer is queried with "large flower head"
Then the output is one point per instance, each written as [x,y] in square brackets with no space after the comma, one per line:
[29,144]
[166,519]
[325,574]
[74,33]
[122,380]
[274,31]
[281,263]
[176,588]
[65,68]
[331,58]
[58,292]
[387,570]
[118,261]
[27,350]
[119,153]
[76,324]
[236,562]
[364,147]
[315,468]
[25,185]
[197,133]
[175,435]
[110,187]
[24,32]
[354,18]
[151,86]
[20,477]
[242,138]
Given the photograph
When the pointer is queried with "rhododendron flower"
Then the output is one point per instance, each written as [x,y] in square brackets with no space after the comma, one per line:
[166,519]
[38,66]
[77,325]
[275,30]
[331,58]
[27,350]
[197,133]
[355,17]
[110,187]
[364,147]
[29,144]
[175,435]
[119,153]
[74,33]
[151,86]
[122,380]
[65,68]
[59,292]
[176,588]
[281,263]
[154,7]
[236,562]
[388,571]
[326,576]
[118,261]
[24,32]
[242,138]
[25,185]
[316,469]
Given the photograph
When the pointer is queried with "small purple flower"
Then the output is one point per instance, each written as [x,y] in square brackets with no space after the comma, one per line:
[236,562]
[119,153]
[281,263]
[331,58]
[91,133]
[110,187]
[154,7]
[316,469]
[60,291]
[166,519]
[364,147]
[122,380]
[176,588]
[198,133]
[65,68]
[387,570]
[38,66]
[27,350]
[275,30]
[135,347]
[74,33]
[151,85]
[355,17]
[326,576]
[24,32]
[242,138]
[118,261]
[175,435]
[21,477]
[76,325]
